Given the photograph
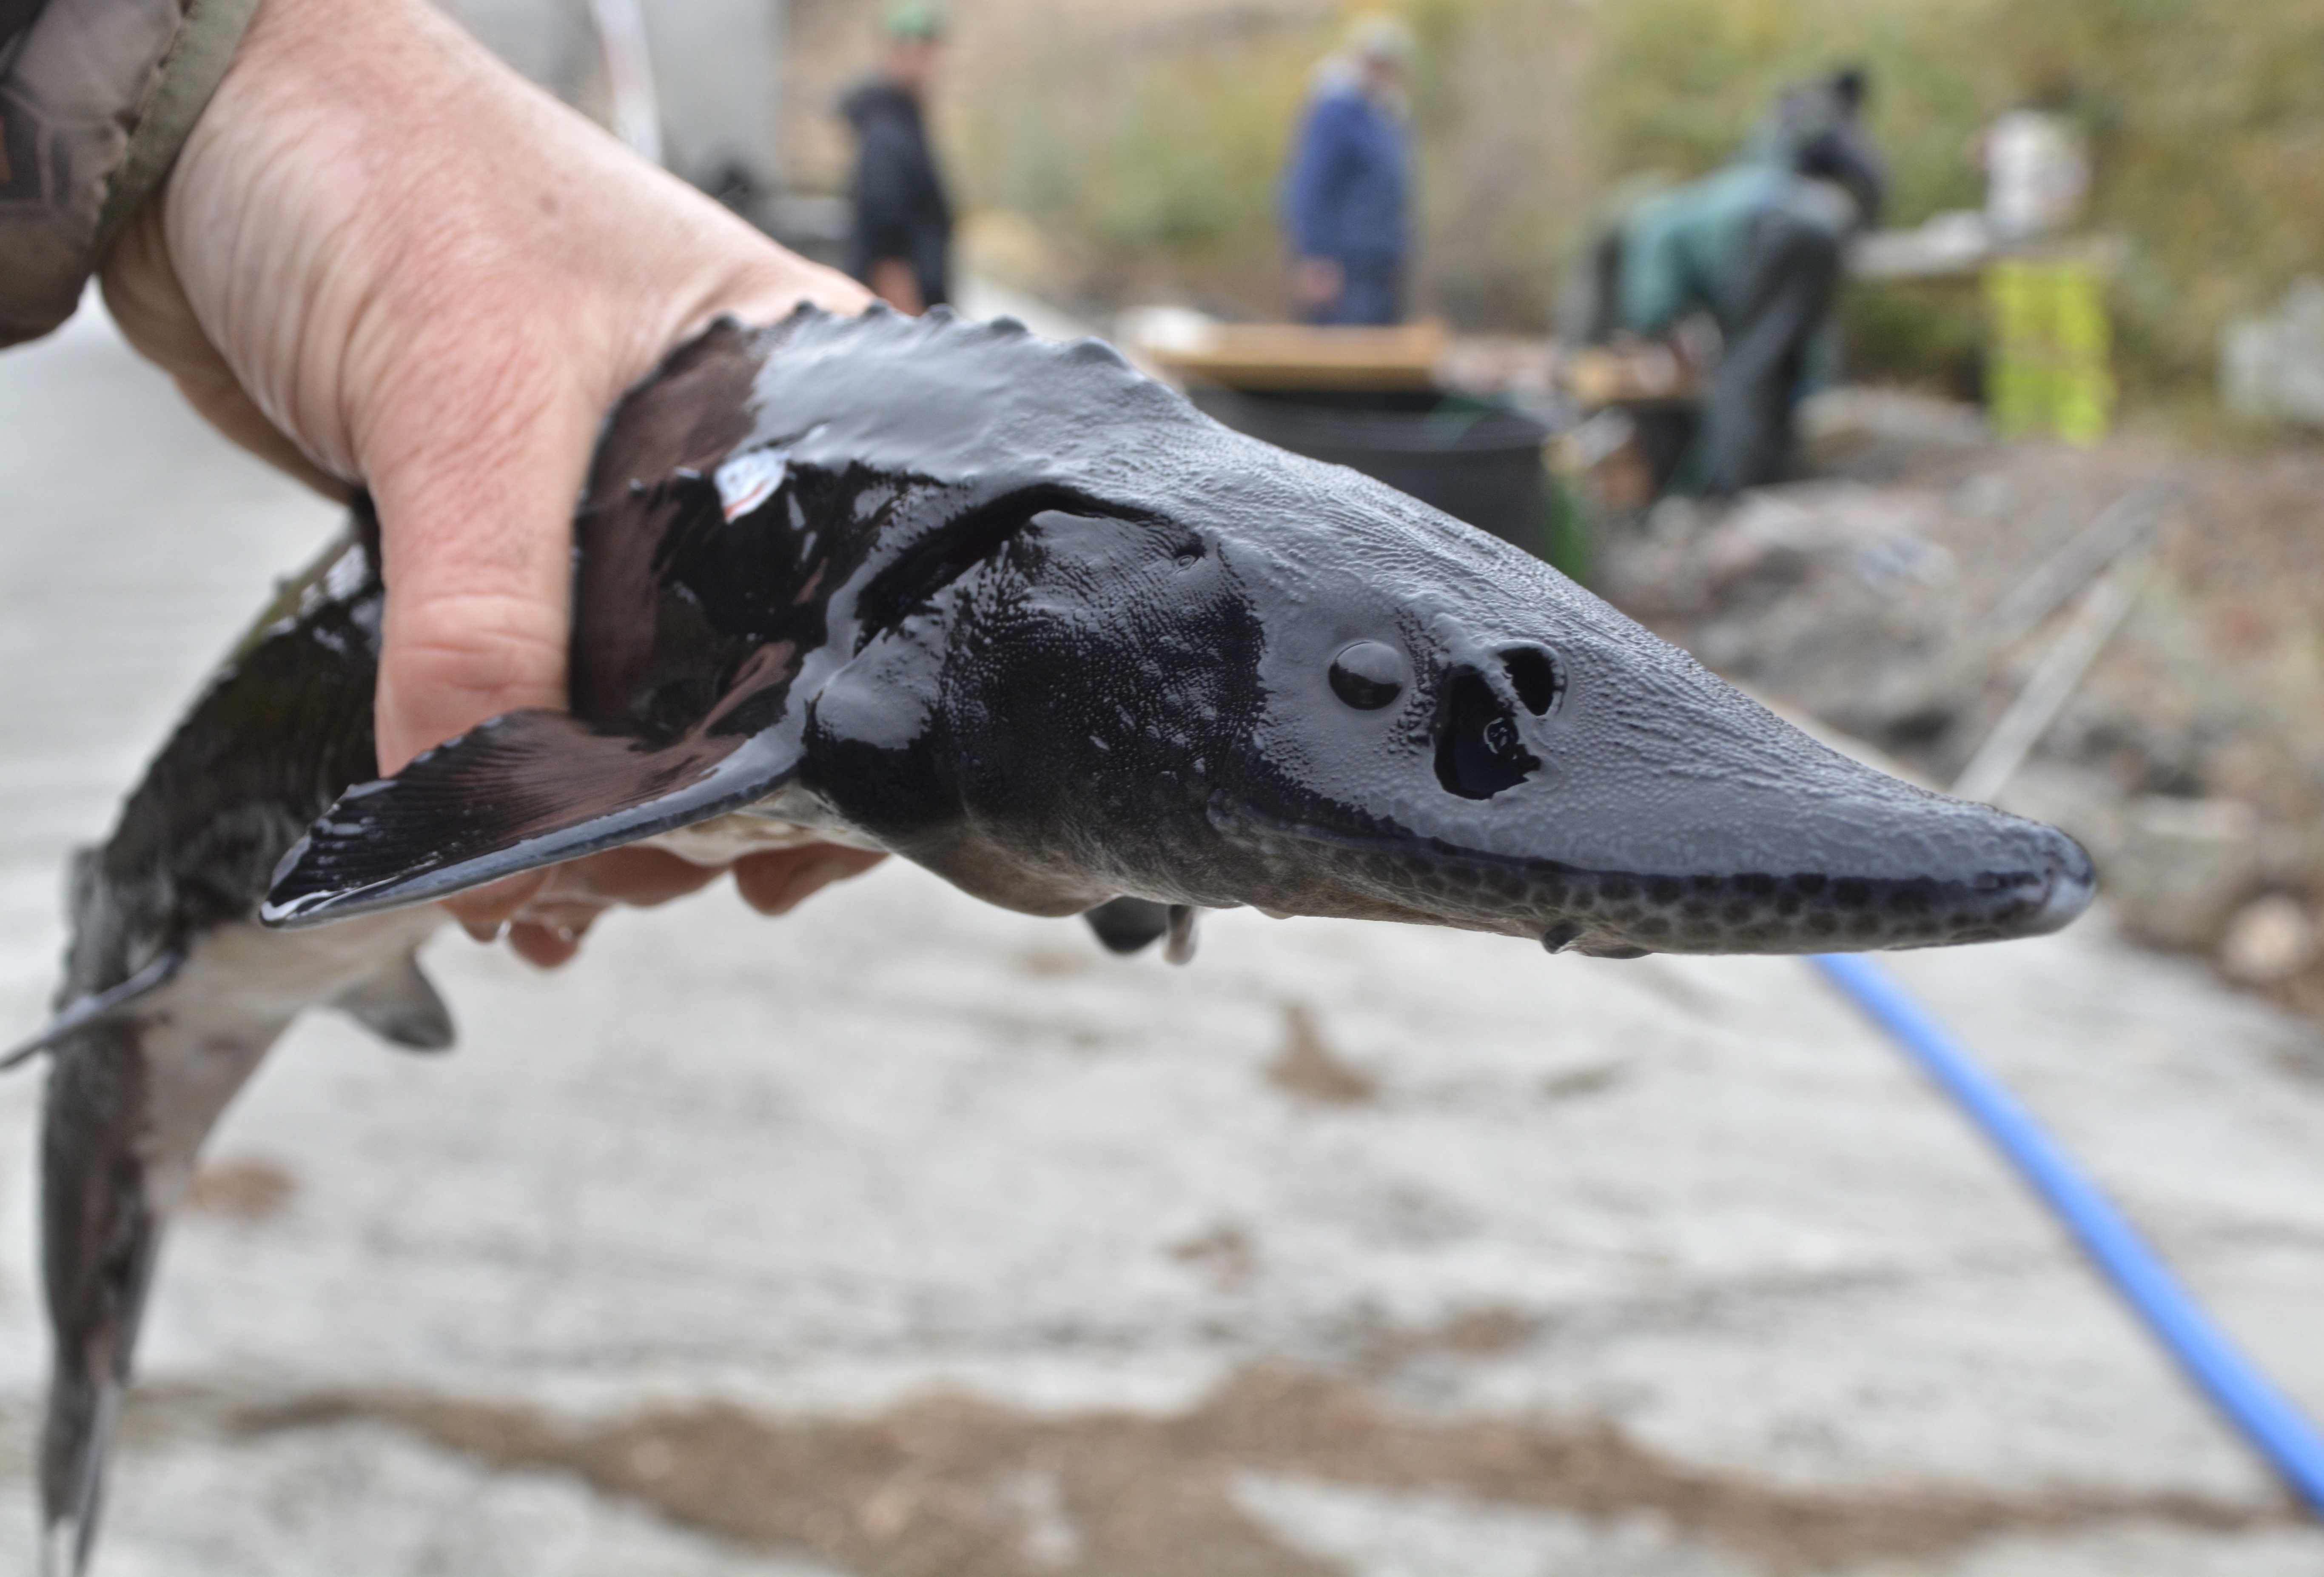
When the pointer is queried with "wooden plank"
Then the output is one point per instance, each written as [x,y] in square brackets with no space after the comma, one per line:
[1296,356]
[1639,374]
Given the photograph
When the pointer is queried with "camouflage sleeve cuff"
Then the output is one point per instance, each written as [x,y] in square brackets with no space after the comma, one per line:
[97,97]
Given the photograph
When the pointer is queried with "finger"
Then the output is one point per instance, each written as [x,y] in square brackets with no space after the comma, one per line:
[475,475]
[549,911]
[570,913]
[543,946]
[484,912]
[777,881]
[638,876]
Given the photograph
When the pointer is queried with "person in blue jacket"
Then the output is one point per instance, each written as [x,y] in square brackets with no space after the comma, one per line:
[1344,195]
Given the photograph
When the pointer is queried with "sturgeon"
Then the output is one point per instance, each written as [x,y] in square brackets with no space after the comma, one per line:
[1011,610]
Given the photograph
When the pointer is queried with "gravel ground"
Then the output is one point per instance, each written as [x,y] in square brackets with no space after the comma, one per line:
[908,1236]
[1878,597]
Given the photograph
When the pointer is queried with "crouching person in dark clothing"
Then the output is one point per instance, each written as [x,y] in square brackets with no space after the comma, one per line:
[902,239]
[1758,245]
[1759,248]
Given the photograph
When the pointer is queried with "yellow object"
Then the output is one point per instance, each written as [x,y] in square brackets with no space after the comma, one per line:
[2047,370]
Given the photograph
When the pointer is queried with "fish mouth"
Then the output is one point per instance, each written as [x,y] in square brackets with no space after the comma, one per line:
[1624,914]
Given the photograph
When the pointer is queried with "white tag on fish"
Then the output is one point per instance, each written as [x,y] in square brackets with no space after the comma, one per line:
[748,481]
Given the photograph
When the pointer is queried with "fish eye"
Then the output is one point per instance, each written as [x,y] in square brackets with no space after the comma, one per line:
[1189,554]
[1369,674]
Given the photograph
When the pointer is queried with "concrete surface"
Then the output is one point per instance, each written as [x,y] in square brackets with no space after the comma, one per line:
[908,1235]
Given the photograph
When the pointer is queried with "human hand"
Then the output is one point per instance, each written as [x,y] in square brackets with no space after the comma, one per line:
[384,260]
[894,282]
[546,927]
[1316,282]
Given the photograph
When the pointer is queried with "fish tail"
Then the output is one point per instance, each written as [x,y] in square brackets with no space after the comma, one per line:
[73,1451]
[100,1233]
[169,1002]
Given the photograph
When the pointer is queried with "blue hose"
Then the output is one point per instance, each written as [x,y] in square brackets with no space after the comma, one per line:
[2287,1439]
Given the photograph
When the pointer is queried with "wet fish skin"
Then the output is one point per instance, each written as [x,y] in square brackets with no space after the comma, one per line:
[1015,612]
[283,726]
[1027,618]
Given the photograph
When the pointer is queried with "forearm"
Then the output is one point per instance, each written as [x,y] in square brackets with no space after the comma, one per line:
[887,217]
[1651,293]
[1318,173]
[1309,201]
[895,282]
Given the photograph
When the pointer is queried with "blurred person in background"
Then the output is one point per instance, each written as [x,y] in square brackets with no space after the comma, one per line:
[902,241]
[1819,126]
[1344,195]
[1757,246]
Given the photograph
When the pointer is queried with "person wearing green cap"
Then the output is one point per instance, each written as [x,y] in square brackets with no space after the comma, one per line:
[1757,245]
[902,238]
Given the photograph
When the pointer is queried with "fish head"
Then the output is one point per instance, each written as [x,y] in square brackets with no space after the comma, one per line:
[1244,677]
[1448,727]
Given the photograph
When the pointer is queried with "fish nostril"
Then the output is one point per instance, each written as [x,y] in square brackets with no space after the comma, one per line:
[1535,673]
[1369,674]
[1478,751]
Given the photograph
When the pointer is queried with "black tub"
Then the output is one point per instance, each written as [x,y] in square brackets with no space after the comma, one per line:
[1477,462]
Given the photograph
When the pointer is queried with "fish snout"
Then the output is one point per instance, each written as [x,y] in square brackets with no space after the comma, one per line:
[1590,788]
[1990,877]
[2073,883]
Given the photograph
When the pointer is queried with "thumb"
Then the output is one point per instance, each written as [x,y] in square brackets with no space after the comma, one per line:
[476,481]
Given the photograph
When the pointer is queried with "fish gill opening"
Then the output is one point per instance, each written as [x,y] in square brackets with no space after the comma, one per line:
[948,551]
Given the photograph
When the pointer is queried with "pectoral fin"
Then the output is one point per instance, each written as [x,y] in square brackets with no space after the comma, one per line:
[401,1006]
[1129,925]
[521,791]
